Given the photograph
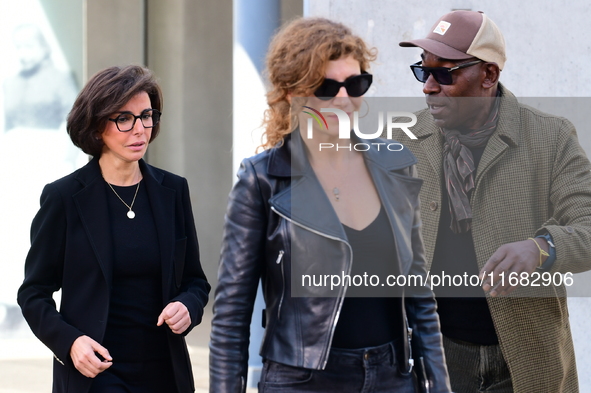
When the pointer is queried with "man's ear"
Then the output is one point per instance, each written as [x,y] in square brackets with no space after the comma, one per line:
[492,75]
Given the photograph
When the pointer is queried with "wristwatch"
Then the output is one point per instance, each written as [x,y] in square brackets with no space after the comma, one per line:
[547,265]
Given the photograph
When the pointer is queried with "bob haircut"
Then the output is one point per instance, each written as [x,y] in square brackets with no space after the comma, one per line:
[104,94]
[296,63]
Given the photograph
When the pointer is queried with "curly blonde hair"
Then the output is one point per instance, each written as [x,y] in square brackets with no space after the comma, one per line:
[296,64]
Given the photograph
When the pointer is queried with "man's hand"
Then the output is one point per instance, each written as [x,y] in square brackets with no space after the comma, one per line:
[176,315]
[512,259]
[84,357]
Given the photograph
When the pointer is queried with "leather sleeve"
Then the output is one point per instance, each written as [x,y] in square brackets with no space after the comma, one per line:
[239,271]
[427,345]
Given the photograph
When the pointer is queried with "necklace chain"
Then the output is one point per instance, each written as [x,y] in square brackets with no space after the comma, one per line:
[130,213]
[336,191]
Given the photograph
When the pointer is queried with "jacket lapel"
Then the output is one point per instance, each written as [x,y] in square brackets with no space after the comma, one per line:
[495,149]
[431,143]
[162,202]
[305,201]
[399,196]
[91,203]
[506,134]
[432,146]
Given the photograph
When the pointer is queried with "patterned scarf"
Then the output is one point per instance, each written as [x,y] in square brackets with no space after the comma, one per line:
[459,168]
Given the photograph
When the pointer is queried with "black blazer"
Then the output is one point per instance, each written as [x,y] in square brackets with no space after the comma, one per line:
[71,249]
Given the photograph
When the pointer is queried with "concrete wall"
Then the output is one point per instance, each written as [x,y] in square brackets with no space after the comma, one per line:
[189,47]
[113,34]
[548,46]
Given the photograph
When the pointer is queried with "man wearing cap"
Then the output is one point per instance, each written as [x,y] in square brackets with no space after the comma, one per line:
[507,189]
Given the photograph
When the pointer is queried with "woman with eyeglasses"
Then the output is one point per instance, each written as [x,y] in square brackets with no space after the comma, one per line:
[118,238]
[316,225]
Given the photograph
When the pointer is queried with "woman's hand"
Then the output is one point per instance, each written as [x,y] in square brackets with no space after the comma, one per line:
[84,357]
[176,315]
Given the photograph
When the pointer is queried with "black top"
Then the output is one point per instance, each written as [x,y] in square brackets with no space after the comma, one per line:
[136,294]
[467,316]
[370,315]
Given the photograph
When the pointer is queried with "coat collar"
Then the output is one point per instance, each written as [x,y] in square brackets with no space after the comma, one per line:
[91,202]
[506,135]
[508,125]
[506,130]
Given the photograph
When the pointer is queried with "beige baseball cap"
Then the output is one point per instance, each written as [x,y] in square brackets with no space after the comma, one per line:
[464,34]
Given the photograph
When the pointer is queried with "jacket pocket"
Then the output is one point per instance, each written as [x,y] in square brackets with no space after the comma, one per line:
[277,375]
[179,260]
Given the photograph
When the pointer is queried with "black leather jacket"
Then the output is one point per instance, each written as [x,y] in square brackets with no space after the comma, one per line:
[278,208]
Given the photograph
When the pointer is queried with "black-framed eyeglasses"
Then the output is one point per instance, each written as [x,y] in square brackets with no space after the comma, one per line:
[441,74]
[125,121]
[356,86]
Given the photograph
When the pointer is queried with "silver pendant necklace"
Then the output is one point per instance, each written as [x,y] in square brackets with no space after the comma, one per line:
[130,213]
[336,192]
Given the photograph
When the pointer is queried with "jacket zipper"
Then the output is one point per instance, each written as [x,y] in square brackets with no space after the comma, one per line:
[426,382]
[411,361]
[341,296]
[278,261]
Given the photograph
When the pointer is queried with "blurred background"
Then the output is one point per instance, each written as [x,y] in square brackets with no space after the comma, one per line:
[209,58]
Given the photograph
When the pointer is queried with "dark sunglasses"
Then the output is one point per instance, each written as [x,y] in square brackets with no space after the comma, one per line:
[356,86]
[441,74]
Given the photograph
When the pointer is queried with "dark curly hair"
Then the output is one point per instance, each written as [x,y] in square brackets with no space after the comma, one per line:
[104,94]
